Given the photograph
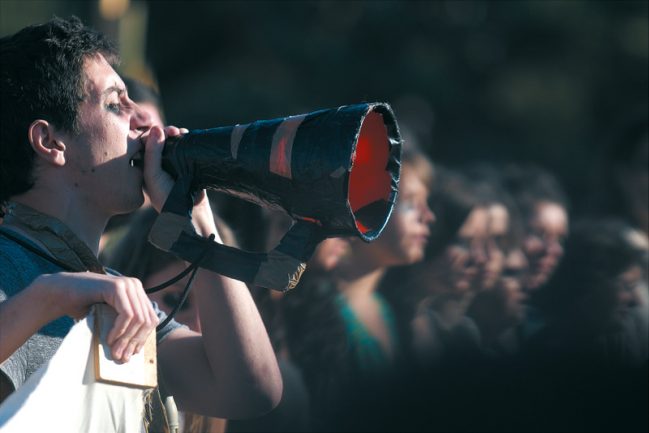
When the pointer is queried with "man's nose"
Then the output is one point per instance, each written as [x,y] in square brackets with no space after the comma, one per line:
[141,119]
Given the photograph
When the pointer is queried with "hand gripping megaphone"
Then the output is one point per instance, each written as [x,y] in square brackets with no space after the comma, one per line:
[335,172]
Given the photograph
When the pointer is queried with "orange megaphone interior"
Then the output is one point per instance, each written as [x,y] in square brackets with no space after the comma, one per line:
[369,180]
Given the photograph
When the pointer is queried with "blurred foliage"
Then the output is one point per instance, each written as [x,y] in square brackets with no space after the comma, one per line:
[538,81]
[544,81]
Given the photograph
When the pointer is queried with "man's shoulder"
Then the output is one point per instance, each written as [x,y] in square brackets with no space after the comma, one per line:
[14,254]
[19,266]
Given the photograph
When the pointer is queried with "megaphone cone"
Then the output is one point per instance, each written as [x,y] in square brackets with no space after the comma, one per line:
[335,171]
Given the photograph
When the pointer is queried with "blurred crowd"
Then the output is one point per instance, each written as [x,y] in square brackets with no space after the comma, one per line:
[486,304]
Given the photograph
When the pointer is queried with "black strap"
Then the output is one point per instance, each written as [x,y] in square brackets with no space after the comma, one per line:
[193,268]
[38,251]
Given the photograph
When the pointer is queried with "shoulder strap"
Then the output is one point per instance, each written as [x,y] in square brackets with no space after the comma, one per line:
[34,249]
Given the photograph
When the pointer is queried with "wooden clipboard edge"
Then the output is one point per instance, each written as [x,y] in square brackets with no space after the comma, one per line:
[150,354]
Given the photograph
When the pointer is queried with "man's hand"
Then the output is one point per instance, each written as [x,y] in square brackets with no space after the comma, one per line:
[74,293]
[157,182]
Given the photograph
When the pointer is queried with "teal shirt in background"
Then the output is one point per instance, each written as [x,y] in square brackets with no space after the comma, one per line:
[370,359]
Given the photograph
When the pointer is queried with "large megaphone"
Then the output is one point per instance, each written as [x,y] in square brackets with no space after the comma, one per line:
[335,172]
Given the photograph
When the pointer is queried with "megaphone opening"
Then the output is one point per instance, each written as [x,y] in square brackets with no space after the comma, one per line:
[370,181]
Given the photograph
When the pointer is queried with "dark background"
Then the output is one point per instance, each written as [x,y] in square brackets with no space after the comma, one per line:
[549,82]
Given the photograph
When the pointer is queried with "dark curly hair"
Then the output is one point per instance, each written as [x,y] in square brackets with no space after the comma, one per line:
[597,251]
[41,77]
[531,184]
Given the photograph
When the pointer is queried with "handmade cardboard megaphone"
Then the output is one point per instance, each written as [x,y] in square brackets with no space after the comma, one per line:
[335,172]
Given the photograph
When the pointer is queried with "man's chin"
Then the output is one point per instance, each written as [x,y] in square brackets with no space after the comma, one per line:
[134,204]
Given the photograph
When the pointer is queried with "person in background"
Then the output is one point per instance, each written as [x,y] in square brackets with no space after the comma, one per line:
[293,412]
[544,208]
[500,307]
[592,300]
[305,329]
[430,297]
[592,352]
[147,98]
[341,331]
[487,181]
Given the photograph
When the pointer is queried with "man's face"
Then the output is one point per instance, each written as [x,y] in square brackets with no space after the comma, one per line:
[110,126]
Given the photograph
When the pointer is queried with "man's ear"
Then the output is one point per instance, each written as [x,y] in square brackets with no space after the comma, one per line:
[46,142]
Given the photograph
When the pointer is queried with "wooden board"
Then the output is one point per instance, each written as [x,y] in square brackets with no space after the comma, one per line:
[140,371]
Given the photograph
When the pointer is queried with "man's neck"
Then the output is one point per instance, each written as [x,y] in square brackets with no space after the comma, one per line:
[85,224]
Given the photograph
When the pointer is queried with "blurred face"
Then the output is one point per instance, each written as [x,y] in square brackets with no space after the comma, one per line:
[406,234]
[98,158]
[498,228]
[510,284]
[168,298]
[329,253]
[630,284]
[543,243]
[465,258]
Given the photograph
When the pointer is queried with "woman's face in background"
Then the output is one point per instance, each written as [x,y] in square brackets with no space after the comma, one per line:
[405,236]
[329,253]
[630,285]
[543,244]
[498,228]
[633,284]
[506,265]
[464,259]
[510,284]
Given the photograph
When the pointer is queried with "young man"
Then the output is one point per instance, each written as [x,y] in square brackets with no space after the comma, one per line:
[69,136]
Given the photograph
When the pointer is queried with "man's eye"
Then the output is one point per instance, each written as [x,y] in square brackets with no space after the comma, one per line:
[114,107]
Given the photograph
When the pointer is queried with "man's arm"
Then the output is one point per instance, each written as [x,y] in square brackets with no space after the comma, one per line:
[21,316]
[230,371]
[51,296]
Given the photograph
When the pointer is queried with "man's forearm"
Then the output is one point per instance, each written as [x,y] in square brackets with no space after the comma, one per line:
[22,315]
[234,337]
[233,372]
